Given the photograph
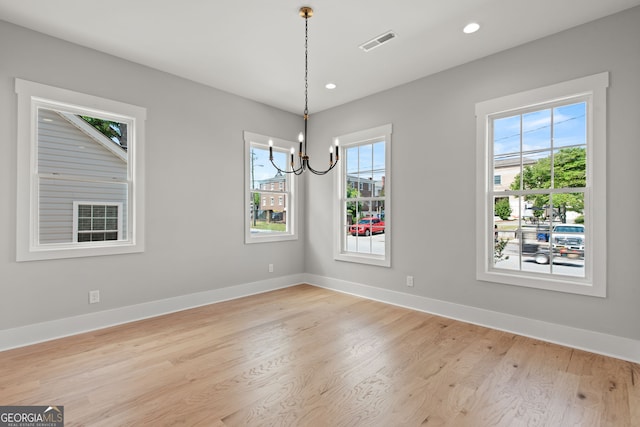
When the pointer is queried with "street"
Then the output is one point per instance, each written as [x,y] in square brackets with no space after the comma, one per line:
[561,265]
[366,244]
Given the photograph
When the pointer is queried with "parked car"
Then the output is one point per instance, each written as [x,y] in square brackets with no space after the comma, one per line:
[367,226]
[567,240]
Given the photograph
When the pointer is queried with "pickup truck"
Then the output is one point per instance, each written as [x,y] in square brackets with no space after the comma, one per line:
[567,240]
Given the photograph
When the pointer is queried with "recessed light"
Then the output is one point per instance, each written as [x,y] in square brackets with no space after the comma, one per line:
[471,28]
[330,86]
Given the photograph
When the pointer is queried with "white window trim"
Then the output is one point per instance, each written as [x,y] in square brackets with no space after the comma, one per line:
[380,132]
[76,204]
[30,96]
[292,206]
[594,283]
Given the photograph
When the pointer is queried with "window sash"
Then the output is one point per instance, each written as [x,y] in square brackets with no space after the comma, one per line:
[591,89]
[34,98]
[343,241]
[269,192]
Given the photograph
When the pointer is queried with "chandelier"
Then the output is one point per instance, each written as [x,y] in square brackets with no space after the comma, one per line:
[303,163]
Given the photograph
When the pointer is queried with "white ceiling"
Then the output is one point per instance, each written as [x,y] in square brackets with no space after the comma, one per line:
[255,48]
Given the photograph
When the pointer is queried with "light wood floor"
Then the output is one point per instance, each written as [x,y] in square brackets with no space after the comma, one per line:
[306,356]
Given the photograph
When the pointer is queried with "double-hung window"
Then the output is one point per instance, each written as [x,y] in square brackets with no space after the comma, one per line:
[543,224]
[80,174]
[266,220]
[363,211]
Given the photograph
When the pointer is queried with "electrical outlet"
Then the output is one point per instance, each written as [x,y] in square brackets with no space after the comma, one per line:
[270,268]
[94,297]
[410,281]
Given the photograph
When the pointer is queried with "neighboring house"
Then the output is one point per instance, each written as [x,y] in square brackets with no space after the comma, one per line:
[82,176]
[366,187]
[273,198]
[504,173]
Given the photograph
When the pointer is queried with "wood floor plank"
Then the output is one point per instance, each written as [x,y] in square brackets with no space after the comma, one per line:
[306,356]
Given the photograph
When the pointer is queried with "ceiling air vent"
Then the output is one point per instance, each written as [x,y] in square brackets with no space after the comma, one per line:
[378,41]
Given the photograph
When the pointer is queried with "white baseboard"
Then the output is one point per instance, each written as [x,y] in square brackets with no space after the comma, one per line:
[595,342]
[46,331]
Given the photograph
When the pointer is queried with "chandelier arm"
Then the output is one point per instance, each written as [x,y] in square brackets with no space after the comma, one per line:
[317,172]
[297,171]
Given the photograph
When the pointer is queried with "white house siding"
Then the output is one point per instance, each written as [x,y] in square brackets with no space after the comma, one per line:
[99,175]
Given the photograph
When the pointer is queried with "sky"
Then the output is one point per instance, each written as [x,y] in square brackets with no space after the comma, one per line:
[569,129]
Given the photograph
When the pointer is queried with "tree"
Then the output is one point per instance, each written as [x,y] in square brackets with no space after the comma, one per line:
[115,131]
[569,170]
[502,208]
[353,207]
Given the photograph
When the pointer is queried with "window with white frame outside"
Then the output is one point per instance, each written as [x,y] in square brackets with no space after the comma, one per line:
[74,147]
[542,224]
[97,222]
[266,220]
[363,209]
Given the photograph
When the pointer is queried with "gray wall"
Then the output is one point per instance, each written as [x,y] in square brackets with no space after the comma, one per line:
[194,197]
[195,182]
[433,164]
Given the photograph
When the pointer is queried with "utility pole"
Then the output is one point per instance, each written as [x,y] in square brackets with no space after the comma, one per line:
[254,205]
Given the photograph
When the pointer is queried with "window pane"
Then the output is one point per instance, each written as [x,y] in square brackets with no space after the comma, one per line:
[536,130]
[351,160]
[570,167]
[506,172]
[536,173]
[567,235]
[84,224]
[112,212]
[365,160]
[99,211]
[506,135]
[111,224]
[570,125]
[505,240]
[84,211]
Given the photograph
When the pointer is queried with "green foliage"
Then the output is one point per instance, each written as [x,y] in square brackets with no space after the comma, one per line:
[116,132]
[569,166]
[353,207]
[498,250]
[503,209]
[579,220]
[272,226]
